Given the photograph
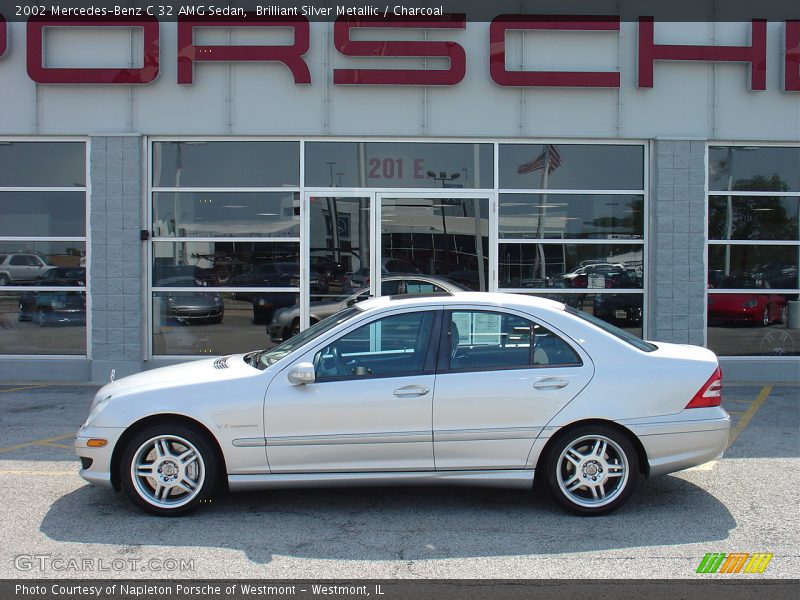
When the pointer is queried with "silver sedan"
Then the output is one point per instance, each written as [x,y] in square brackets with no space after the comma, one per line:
[469,389]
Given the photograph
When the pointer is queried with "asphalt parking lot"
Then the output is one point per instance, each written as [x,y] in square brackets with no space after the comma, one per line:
[55,525]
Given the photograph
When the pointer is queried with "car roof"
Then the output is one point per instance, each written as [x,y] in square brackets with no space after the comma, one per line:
[480,299]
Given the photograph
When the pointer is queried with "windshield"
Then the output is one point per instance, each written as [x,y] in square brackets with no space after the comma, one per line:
[613,330]
[270,357]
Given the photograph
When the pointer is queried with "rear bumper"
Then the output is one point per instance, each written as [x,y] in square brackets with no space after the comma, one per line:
[673,445]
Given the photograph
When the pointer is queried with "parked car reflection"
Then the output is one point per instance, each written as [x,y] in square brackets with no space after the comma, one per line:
[760,308]
[286,321]
[58,307]
[188,306]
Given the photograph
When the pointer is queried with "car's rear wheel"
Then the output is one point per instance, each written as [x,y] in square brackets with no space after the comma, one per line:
[168,469]
[591,470]
[765,317]
[4,280]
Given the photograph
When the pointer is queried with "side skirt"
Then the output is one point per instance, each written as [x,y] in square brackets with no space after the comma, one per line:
[519,479]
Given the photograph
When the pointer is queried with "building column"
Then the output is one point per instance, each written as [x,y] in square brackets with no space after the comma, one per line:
[677,243]
[117,256]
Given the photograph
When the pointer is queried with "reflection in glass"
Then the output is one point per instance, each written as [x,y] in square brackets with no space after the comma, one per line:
[753,218]
[571,266]
[572,166]
[339,246]
[47,214]
[196,323]
[447,237]
[42,164]
[219,263]
[399,165]
[569,216]
[23,262]
[226,164]
[43,322]
[748,267]
[752,324]
[226,214]
[752,168]
[621,310]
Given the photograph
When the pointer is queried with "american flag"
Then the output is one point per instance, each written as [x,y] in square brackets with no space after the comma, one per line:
[536,164]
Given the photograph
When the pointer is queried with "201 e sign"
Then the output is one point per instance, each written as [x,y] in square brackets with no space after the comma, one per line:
[393,168]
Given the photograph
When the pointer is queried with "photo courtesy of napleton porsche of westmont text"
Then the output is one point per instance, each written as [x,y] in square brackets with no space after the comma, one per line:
[420,299]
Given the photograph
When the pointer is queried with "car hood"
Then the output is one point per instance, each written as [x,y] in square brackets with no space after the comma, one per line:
[189,373]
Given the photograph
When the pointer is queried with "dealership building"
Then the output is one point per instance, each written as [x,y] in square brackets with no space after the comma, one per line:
[166,187]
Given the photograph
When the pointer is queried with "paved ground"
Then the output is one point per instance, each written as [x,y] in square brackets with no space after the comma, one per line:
[746,502]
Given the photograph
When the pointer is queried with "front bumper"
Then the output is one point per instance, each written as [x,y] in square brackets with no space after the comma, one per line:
[98,472]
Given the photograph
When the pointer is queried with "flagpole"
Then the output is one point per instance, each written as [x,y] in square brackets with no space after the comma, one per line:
[543,212]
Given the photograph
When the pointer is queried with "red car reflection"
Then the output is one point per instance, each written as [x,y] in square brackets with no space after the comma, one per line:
[756,309]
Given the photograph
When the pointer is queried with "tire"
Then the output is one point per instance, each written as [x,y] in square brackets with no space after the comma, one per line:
[784,315]
[4,280]
[578,466]
[765,317]
[294,329]
[170,481]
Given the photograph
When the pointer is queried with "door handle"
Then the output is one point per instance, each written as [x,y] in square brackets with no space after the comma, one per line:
[411,390]
[551,383]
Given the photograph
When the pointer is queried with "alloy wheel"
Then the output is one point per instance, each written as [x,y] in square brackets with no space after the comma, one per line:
[592,471]
[168,471]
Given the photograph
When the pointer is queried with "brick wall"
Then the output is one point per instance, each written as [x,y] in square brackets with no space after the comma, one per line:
[116,269]
[677,242]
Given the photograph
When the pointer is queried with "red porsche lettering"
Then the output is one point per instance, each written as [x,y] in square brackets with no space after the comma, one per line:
[41,74]
[347,47]
[497,51]
[291,56]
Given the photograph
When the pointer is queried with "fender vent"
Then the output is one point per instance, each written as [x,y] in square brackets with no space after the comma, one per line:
[221,363]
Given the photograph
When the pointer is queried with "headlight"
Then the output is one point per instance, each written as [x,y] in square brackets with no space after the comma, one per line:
[750,303]
[96,410]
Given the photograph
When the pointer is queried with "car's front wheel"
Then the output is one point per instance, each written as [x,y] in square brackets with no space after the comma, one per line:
[168,469]
[591,470]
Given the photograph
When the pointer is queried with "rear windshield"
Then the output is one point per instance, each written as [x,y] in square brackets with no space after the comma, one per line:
[613,330]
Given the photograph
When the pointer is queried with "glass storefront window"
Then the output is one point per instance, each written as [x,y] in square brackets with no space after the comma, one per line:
[220,263]
[43,213]
[750,168]
[226,214]
[445,237]
[753,218]
[214,323]
[625,311]
[753,287]
[572,166]
[568,216]
[215,164]
[42,321]
[748,267]
[42,164]
[399,165]
[549,265]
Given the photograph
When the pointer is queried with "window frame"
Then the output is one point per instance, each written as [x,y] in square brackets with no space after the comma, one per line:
[431,350]
[85,239]
[722,243]
[443,364]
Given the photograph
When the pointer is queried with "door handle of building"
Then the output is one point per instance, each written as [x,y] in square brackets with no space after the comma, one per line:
[551,383]
[411,390]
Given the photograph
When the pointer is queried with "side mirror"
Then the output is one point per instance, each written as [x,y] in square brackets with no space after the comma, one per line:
[301,374]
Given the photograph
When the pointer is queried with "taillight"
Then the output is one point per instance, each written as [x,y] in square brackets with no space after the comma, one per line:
[710,394]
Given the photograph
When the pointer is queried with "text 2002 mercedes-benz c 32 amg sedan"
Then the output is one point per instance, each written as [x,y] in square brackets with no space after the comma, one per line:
[475,389]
